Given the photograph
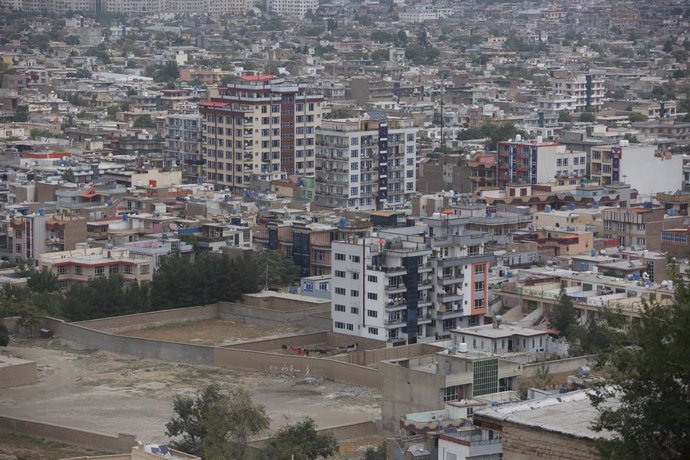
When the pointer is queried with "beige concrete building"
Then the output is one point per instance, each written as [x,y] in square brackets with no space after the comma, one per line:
[84,264]
[261,125]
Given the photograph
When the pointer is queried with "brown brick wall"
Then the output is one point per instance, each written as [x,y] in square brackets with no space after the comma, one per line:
[523,443]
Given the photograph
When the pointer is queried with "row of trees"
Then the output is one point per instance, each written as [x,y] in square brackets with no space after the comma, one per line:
[493,133]
[217,424]
[179,282]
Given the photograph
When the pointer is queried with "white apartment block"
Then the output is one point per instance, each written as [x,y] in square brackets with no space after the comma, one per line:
[642,166]
[536,162]
[53,6]
[260,126]
[293,8]
[587,89]
[365,164]
[381,289]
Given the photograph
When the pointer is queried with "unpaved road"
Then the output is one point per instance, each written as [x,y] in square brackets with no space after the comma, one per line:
[113,394]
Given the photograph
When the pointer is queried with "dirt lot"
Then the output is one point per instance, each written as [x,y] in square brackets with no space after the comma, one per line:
[119,394]
[212,332]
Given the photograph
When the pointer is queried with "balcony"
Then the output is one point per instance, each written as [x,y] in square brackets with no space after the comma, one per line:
[444,297]
[395,288]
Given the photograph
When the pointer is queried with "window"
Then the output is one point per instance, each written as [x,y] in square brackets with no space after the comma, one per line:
[339,307]
[372,296]
[479,269]
[355,259]
[372,313]
[99,271]
[339,274]
[354,141]
[479,285]
[451,393]
[128,269]
[485,377]
[78,270]
[372,278]
[355,276]
[478,303]
[373,330]
[145,269]
[354,310]
[339,256]
[354,293]
[339,325]
[350,327]
[340,291]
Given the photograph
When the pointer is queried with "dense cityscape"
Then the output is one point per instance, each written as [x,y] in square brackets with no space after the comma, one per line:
[348,229]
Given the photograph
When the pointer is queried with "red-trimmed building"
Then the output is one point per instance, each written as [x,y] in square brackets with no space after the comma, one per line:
[257,126]
[82,265]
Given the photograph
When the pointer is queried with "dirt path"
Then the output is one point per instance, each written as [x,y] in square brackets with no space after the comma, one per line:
[118,394]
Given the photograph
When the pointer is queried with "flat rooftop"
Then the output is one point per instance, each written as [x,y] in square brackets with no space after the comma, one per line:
[504,331]
[569,413]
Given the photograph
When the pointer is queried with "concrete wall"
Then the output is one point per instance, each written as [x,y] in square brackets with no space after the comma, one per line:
[327,338]
[224,357]
[152,319]
[297,366]
[82,438]
[407,391]
[373,357]
[283,303]
[524,443]
[557,367]
[310,317]
[16,372]
[135,346]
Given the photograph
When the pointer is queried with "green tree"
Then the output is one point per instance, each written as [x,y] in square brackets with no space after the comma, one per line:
[564,116]
[637,116]
[230,422]
[376,454]
[562,317]
[300,441]
[275,269]
[587,117]
[144,122]
[68,175]
[4,335]
[543,377]
[30,317]
[71,40]
[43,281]
[650,380]
[215,423]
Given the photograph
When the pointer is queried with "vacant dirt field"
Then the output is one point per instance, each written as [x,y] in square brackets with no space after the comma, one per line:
[114,394]
[212,332]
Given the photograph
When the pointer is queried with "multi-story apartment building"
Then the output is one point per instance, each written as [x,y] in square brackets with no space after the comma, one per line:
[308,244]
[53,6]
[639,226]
[587,89]
[650,171]
[183,136]
[365,164]
[381,289]
[260,125]
[296,9]
[31,235]
[134,6]
[461,269]
[536,162]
